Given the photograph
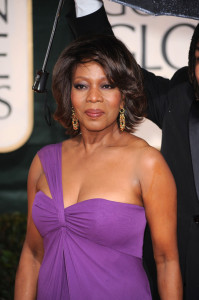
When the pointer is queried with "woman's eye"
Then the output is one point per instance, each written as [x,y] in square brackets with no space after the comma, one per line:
[79,86]
[107,86]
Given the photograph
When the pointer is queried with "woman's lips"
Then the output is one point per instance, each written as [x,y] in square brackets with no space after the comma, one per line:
[94,113]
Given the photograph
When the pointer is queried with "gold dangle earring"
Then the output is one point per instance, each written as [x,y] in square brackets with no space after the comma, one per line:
[122,119]
[74,120]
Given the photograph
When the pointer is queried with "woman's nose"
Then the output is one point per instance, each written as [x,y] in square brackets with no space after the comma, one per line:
[94,95]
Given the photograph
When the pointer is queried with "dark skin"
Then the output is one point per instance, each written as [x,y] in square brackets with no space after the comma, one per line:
[116,166]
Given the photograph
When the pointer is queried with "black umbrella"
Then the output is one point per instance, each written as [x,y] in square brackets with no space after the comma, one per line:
[39,85]
[179,8]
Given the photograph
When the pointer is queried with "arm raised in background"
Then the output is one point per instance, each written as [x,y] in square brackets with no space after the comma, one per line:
[91,18]
[32,252]
[159,198]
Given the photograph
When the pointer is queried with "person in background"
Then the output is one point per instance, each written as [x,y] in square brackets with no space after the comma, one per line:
[90,196]
[174,106]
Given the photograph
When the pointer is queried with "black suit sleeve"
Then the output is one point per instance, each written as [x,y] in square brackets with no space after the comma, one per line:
[95,23]
[156,89]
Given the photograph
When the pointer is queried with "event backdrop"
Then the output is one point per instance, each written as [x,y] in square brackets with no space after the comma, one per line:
[14,165]
[15,74]
[159,44]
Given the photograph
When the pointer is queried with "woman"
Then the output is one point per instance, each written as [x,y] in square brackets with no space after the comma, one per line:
[90,196]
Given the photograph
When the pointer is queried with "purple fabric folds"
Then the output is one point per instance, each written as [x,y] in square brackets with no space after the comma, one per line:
[93,249]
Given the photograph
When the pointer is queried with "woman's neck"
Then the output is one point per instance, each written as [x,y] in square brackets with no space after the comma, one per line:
[92,140]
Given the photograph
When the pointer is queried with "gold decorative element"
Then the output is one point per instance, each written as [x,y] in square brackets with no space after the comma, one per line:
[122,119]
[74,120]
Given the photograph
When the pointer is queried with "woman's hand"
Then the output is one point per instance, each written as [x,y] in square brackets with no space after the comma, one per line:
[86,7]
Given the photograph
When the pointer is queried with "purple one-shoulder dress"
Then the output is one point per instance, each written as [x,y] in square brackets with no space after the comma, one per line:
[92,249]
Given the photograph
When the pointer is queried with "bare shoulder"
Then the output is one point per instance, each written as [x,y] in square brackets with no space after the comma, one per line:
[150,155]
[146,154]
[149,161]
[136,145]
[154,171]
[150,158]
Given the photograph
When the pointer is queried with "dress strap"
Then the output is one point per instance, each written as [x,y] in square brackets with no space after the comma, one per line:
[50,157]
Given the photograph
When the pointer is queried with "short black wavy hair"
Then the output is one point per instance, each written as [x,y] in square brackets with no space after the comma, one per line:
[119,66]
[192,61]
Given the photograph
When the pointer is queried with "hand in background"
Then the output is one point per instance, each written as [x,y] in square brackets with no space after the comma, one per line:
[86,7]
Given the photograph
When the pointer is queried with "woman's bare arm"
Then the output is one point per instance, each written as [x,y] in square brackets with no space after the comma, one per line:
[159,197]
[32,252]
